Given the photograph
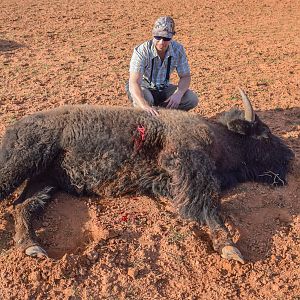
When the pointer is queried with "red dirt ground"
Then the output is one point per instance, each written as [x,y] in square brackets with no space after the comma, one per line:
[69,52]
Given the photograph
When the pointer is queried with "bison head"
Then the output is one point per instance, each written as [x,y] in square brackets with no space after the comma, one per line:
[246,123]
[265,156]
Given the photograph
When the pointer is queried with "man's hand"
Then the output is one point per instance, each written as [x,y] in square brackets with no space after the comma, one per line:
[151,110]
[174,100]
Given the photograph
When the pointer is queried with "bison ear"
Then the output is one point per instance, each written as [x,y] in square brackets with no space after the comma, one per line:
[240,126]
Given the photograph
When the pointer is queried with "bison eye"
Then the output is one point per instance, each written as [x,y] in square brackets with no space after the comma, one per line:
[261,131]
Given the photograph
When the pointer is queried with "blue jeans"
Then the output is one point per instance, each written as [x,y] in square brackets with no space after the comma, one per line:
[157,98]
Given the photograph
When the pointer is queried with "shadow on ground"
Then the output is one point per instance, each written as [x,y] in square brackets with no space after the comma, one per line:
[7,45]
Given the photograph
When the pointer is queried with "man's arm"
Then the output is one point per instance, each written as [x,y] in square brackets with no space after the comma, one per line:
[183,86]
[135,80]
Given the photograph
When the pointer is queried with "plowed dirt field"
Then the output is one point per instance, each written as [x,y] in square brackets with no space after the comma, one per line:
[77,52]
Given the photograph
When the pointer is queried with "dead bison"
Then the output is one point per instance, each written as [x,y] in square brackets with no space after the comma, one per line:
[113,151]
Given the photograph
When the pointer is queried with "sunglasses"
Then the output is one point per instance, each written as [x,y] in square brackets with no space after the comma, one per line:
[165,39]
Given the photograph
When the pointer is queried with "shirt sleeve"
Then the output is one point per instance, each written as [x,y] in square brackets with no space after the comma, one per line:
[183,67]
[138,61]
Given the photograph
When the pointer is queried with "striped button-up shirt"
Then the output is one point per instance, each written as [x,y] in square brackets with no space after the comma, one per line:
[145,54]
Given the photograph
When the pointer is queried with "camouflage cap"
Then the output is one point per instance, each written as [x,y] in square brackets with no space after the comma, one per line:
[164,26]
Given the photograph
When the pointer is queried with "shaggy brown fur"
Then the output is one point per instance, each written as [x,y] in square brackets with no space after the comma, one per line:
[91,150]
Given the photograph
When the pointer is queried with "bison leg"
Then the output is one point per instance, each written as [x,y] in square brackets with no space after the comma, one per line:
[196,193]
[222,243]
[25,236]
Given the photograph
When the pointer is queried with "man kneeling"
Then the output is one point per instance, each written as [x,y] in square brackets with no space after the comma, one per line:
[150,67]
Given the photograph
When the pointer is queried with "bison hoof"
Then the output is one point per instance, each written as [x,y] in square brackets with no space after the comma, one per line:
[230,252]
[36,251]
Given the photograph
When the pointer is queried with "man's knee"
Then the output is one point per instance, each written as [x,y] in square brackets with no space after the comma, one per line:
[189,100]
[147,95]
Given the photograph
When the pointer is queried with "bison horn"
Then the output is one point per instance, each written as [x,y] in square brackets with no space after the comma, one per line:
[249,112]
